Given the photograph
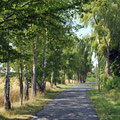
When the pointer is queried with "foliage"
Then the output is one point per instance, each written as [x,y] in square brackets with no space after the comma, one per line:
[109,83]
[104,16]
[36,38]
[114,60]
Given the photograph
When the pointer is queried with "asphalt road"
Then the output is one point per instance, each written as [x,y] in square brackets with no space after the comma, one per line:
[72,104]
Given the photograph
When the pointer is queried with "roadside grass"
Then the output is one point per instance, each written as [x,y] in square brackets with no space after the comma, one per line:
[107,104]
[32,106]
[14,90]
[91,78]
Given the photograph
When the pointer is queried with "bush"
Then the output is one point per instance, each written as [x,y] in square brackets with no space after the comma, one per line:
[109,83]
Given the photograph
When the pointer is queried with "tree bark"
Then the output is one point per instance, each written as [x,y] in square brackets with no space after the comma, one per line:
[34,73]
[64,77]
[44,74]
[39,87]
[99,70]
[34,77]
[26,82]
[107,66]
[55,83]
[45,62]
[69,81]
[84,80]
[21,81]
[78,77]
[52,77]
[7,88]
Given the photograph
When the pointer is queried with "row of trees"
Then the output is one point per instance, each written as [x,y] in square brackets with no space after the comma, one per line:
[37,42]
[104,17]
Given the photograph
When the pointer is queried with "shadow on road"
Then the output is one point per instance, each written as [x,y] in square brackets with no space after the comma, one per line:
[72,104]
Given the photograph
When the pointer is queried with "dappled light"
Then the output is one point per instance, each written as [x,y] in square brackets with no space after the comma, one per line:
[73,104]
[54,54]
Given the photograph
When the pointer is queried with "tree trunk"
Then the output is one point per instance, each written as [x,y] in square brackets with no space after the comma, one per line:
[55,83]
[44,74]
[99,71]
[77,77]
[80,78]
[45,62]
[84,80]
[69,81]
[34,74]
[52,77]
[26,82]
[21,81]
[64,77]
[107,67]
[7,88]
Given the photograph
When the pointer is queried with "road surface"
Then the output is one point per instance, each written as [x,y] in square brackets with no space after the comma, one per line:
[72,104]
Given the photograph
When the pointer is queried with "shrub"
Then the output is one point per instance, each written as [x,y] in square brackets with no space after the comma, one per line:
[109,83]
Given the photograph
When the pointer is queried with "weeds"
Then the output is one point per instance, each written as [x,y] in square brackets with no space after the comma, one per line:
[30,107]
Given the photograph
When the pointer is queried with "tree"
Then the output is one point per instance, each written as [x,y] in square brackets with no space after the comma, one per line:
[7,88]
[24,23]
[100,18]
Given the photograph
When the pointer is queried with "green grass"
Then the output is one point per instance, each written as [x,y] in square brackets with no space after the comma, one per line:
[106,104]
[30,107]
[91,78]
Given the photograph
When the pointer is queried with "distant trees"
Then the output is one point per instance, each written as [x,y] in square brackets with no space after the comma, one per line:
[82,59]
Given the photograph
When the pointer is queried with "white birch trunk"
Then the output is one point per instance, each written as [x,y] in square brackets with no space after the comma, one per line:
[26,82]
[21,82]
[45,60]
[7,88]
[34,78]
[34,74]
[52,77]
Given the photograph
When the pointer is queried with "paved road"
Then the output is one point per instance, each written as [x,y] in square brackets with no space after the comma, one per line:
[72,104]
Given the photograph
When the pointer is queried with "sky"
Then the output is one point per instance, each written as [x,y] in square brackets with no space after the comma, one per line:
[84,31]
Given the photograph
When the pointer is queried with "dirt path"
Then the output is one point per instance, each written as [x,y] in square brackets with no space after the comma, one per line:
[72,104]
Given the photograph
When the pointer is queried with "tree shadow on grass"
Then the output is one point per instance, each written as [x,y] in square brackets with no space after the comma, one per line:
[32,109]
[2,118]
[58,87]
[24,111]
[51,94]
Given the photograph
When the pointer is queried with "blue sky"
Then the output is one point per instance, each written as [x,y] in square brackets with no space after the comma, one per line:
[84,31]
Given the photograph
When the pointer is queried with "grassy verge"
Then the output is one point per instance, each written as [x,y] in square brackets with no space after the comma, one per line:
[30,107]
[107,104]
[91,78]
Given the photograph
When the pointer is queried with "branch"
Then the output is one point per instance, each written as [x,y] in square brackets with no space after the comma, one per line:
[106,42]
[95,20]
[6,19]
